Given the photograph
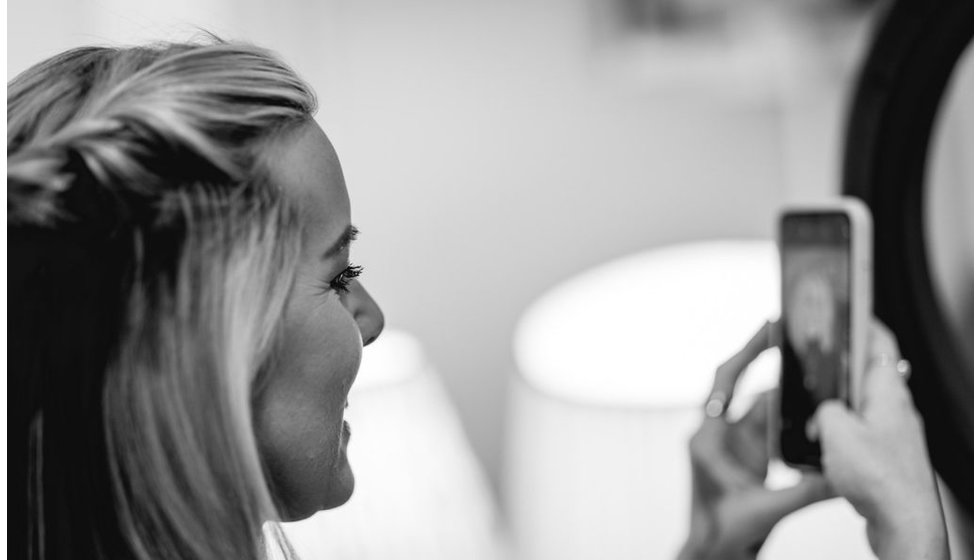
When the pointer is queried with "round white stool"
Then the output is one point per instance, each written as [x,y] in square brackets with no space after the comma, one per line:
[420,491]
[614,366]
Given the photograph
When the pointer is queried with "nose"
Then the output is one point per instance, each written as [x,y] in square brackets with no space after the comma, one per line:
[367,314]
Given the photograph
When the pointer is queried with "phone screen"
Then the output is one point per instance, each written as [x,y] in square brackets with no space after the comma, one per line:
[816,287]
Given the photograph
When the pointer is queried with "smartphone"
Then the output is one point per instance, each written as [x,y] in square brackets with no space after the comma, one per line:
[825,267]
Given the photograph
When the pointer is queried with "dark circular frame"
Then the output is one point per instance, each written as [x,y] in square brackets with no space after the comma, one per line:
[913,54]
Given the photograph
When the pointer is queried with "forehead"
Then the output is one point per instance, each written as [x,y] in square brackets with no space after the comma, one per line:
[304,164]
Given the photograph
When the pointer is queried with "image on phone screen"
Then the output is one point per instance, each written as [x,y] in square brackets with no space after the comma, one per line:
[815,340]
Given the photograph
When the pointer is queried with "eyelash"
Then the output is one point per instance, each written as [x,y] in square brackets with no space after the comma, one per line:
[341,282]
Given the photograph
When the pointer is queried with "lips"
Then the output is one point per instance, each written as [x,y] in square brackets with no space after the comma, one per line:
[346,426]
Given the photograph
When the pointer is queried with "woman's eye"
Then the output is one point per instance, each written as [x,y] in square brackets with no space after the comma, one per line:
[341,282]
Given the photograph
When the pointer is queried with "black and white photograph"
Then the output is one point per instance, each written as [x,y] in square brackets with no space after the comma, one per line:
[490,280]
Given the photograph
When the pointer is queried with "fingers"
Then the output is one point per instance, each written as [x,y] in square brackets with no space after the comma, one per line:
[833,420]
[728,373]
[884,391]
[757,418]
[884,388]
[735,455]
[708,446]
[881,340]
[748,437]
[709,455]
[842,435]
[749,448]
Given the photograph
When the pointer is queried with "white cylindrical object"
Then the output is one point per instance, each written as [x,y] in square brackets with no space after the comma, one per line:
[586,482]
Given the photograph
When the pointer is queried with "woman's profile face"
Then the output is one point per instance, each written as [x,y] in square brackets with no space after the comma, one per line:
[299,409]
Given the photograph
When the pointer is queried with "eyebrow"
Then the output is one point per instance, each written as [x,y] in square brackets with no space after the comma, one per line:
[344,241]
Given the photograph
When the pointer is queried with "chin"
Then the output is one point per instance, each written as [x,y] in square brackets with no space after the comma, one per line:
[342,489]
[339,493]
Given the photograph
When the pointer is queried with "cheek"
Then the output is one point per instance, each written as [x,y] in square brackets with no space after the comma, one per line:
[299,445]
[299,413]
[321,344]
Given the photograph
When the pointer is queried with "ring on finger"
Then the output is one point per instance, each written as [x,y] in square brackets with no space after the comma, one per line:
[901,366]
[716,405]
[904,369]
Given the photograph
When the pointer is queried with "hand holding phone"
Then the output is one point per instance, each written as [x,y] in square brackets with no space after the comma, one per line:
[732,511]
[875,456]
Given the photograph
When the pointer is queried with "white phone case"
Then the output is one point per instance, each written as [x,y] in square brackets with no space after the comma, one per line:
[861,293]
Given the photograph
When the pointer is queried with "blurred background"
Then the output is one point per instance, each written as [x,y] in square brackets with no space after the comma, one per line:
[494,150]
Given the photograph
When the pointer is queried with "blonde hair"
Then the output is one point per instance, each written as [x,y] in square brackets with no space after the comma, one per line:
[137,173]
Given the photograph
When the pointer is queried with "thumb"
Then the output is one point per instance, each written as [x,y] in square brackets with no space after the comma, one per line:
[835,423]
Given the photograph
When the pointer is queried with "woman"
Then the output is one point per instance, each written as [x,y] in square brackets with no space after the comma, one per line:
[185,323]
